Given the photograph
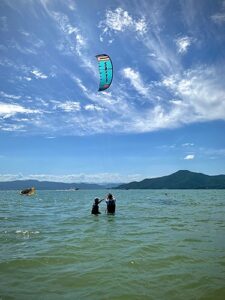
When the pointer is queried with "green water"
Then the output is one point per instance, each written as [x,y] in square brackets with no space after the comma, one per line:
[157,246]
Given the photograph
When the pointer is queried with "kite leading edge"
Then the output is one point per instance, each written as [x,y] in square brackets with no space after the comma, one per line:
[105,70]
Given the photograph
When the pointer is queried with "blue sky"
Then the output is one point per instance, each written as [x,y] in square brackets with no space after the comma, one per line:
[164,111]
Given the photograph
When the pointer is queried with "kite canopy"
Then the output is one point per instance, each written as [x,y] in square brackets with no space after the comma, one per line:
[105,70]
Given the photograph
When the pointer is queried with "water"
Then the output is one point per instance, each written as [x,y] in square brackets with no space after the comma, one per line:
[159,245]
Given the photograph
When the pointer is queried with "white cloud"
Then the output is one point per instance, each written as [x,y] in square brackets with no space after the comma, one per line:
[104,100]
[188,144]
[40,102]
[13,127]
[69,106]
[119,20]
[189,157]
[14,44]
[28,78]
[202,94]
[72,40]
[93,107]
[80,43]
[25,33]
[154,119]
[161,57]
[136,81]
[8,110]
[80,84]
[21,119]
[5,95]
[38,74]
[199,95]
[212,152]
[63,23]
[37,43]
[141,26]
[183,44]
[71,5]
[218,18]
[69,32]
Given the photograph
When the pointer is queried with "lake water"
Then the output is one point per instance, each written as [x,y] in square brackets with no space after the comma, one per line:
[159,245]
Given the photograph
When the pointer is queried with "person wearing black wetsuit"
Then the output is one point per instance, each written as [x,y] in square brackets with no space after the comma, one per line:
[95,207]
[111,204]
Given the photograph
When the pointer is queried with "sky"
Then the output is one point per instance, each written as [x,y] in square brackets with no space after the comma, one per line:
[164,111]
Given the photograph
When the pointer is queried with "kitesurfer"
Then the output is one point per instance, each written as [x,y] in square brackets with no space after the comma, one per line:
[95,207]
[111,204]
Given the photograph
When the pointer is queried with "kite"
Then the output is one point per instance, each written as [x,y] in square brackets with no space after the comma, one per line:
[105,71]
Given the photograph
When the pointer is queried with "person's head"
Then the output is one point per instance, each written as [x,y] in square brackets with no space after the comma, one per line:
[110,196]
[96,200]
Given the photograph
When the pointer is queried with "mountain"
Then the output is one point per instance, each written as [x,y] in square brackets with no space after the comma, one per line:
[182,179]
[46,185]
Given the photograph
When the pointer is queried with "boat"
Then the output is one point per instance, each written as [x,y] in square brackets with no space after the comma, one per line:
[28,191]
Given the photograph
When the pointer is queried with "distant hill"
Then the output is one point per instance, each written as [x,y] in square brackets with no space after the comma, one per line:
[47,185]
[182,179]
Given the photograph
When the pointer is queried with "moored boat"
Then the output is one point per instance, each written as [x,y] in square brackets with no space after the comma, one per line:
[28,192]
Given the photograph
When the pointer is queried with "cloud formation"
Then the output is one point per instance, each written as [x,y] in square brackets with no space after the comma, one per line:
[201,93]
[9,96]
[119,20]
[153,87]
[218,18]
[93,107]
[69,106]
[8,110]
[136,81]
[183,43]
[189,157]
[38,74]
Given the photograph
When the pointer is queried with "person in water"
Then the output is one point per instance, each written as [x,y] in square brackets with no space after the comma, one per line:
[111,204]
[95,207]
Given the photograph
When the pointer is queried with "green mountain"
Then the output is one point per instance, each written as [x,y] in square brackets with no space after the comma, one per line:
[182,179]
[46,185]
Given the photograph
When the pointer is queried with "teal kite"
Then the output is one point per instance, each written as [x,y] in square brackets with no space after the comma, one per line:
[105,71]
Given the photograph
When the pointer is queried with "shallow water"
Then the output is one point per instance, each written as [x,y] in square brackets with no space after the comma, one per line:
[159,245]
